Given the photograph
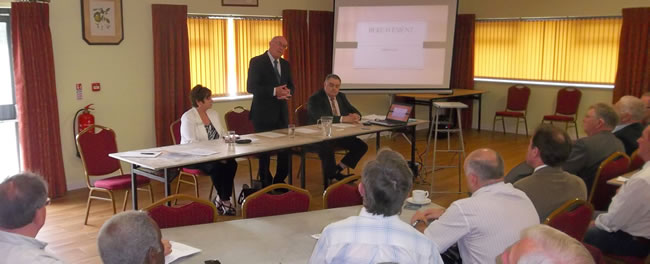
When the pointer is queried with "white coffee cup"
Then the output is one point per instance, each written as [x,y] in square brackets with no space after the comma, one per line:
[420,195]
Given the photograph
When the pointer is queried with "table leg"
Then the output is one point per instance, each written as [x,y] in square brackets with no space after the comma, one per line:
[167,186]
[479,112]
[377,142]
[302,168]
[414,166]
[134,188]
[290,165]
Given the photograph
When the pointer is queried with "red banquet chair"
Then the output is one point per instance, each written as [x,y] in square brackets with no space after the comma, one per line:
[342,194]
[636,162]
[261,203]
[516,106]
[601,193]
[192,174]
[238,120]
[94,148]
[566,108]
[572,218]
[197,212]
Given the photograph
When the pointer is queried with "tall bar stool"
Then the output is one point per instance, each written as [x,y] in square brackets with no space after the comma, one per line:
[433,130]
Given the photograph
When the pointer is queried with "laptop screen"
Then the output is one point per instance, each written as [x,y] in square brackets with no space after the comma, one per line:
[399,112]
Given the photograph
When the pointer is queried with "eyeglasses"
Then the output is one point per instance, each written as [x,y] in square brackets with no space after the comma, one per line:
[212,261]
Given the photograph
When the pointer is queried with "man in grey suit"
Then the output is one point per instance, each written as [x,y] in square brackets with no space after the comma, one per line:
[588,152]
[549,186]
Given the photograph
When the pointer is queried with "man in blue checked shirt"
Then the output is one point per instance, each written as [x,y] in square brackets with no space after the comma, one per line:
[377,234]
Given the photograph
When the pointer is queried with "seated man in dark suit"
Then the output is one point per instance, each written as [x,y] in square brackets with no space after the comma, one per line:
[330,102]
[588,152]
[549,186]
[631,111]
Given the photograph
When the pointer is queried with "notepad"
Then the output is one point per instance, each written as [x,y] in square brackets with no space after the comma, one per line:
[621,179]
[141,154]
[198,152]
[180,250]
[339,125]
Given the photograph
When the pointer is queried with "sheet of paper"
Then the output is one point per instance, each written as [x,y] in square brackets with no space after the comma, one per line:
[315,236]
[304,130]
[339,125]
[180,250]
[621,179]
[198,152]
[271,134]
[141,154]
[374,117]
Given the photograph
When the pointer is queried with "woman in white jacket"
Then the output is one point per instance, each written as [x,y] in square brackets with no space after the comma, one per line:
[201,123]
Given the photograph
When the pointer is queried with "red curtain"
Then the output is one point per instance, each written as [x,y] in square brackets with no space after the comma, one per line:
[294,29]
[633,73]
[310,51]
[171,67]
[36,101]
[462,65]
[321,32]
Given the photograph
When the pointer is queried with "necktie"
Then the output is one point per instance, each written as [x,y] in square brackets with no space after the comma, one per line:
[275,67]
[335,110]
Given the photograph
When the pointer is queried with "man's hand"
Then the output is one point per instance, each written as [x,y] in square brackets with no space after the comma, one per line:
[166,246]
[427,214]
[282,92]
[351,118]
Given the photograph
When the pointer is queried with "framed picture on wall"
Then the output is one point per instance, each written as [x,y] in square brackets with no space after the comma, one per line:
[239,2]
[101,22]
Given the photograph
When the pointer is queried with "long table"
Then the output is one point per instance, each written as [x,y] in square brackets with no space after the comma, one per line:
[274,239]
[428,99]
[171,157]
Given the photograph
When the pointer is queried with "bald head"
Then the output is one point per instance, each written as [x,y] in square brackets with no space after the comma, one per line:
[277,45]
[630,109]
[485,163]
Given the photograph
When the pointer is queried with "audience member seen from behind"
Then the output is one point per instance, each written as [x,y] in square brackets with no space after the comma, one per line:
[544,244]
[377,234]
[484,224]
[131,238]
[631,111]
[549,186]
[23,198]
[202,123]
[624,229]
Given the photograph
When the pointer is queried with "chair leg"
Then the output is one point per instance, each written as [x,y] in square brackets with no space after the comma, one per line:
[494,123]
[517,127]
[233,196]
[88,207]
[211,190]
[110,194]
[503,124]
[575,125]
[526,125]
[151,193]
[126,199]
[178,182]
[196,185]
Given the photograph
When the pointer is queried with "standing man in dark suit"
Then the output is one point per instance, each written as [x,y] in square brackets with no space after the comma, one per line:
[330,102]
[631,111]
[269,80]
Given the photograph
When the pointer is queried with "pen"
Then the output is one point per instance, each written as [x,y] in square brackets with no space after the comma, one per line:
[147,153]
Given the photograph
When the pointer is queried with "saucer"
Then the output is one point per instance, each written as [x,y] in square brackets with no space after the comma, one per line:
[423,202]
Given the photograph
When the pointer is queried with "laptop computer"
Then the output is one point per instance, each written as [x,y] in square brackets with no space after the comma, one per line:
[398,115]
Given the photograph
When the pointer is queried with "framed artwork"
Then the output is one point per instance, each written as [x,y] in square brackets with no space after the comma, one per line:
[239,2]
[101,22]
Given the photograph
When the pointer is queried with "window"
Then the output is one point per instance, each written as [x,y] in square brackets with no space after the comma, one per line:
[575,50]
[8,125]
[220,49]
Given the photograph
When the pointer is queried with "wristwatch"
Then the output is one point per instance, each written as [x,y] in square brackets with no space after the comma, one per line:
[417,222]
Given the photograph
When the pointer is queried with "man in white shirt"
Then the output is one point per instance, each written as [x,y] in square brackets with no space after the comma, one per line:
[131,237]
[23,198]
[624,229]
[486,223]
[378,234]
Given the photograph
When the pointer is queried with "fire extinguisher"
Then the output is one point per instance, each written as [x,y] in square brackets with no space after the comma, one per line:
[82,121]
